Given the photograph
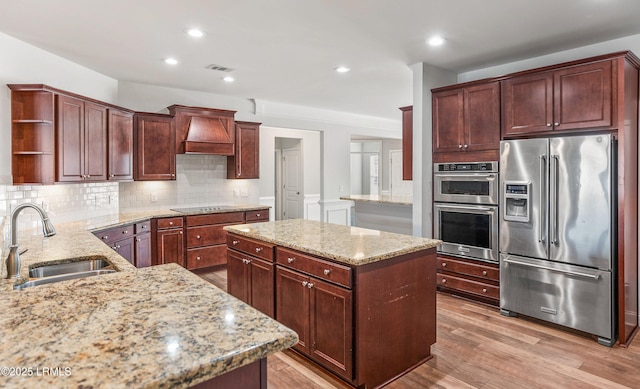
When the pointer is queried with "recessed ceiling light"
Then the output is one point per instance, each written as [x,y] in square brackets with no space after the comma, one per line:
[228,79]
[170,61]
[196,33]
[341,69]
[436,40]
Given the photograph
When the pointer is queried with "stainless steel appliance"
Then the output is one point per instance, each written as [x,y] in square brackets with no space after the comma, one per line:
[556,231]
[465,209]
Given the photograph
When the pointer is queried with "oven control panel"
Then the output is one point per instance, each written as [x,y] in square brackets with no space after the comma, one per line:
[467,167]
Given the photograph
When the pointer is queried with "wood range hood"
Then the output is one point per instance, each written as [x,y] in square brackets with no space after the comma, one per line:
[204,130]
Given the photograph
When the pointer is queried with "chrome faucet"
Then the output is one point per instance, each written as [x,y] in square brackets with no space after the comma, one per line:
[13,259]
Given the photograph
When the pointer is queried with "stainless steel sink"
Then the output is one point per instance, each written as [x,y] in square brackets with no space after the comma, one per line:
[74,268]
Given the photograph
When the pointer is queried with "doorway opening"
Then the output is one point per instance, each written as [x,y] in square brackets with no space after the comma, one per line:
[289,183]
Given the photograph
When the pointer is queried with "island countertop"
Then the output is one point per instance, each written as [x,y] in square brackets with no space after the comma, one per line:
[349,245]
[155,327]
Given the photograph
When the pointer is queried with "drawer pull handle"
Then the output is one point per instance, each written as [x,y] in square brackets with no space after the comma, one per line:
[258,249]
[310,285]
[326,272]
[170,223]
[444,264]
[197,236]
[290,259]
[304,283]
[235,242]
[444,280]
[484,272]
[198,258]
[484,290]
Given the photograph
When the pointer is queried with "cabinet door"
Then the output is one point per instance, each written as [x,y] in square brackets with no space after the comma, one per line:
[95,142]
[170,246]
[582,96]
[125,247]
[407,142]
[143,250]
[527,104]
[155,144]
[482,117]
[238,276]
[292,304]
[262,286]
[448,121]
[70,139]
[245,163]
[331,327]
[120,145]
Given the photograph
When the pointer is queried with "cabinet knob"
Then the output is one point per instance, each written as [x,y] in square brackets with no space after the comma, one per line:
[548,124]
[484,290]
[257,215]
[112,175]
[484,272]
[235,242]
[170,223]
[466,146]
[197,236]
[310,285]
[125,232]
[258,249]
[290,259]
[459,146]
[105,237]
[444,264]
[198,258]
[326,272]
[143,226]
[304,283]
[138,240]
[556,124]
[444,280]
[180,232]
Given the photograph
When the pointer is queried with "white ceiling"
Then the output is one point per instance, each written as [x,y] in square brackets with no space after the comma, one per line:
[285,50]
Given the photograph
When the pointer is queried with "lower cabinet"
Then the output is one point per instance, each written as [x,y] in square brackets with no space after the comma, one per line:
[305,304]
[251,280]
[143,249]
[206,238]
[169,241]
[476,280]
[135,248]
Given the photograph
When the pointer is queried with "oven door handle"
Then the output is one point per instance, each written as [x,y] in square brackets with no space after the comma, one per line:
[491,176]
[573,273]
[465,208]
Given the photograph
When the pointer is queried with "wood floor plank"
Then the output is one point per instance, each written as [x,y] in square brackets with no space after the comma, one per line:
[476,347]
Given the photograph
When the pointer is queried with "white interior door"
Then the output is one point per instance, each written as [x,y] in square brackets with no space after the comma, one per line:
[292,184]
[399,187]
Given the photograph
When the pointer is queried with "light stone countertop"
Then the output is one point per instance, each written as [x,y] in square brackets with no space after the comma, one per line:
[382,199]
[160,326]
[157,327]
[349,245]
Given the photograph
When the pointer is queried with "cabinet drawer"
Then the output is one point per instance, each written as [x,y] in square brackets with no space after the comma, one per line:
[469,286]
[206,256]
[113,234]
[469,268]
[322,269]
[215,218]
[142,227]
[205,235]
[257,216]
[258,249]
[169,222]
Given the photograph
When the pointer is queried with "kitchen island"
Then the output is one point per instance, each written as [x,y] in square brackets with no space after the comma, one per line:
[159,326]
[391,213]
[361,301]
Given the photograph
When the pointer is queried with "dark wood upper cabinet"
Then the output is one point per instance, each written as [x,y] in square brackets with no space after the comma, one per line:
[81,140]
[572,98]
[245,163]
[32,135]
[154,145]
[407,142]
[466,122]
[120,133]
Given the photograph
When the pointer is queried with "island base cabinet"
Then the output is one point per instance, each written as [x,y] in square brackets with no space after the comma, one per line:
[251,280]
[321,315]
[253,375]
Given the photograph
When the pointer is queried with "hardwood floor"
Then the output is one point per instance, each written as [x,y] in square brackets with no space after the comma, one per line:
[476,347]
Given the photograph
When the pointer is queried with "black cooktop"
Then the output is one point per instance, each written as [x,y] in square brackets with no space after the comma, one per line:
[210,208]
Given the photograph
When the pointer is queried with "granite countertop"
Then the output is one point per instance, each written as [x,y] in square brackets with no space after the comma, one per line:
[382,199]
[156,327]
[349,245]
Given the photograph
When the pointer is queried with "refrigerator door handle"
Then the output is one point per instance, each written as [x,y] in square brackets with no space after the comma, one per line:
[541,231]
[573,273]
[553,199]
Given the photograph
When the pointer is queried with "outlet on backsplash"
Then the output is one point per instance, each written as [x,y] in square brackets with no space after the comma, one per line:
[244,192]
[153,197]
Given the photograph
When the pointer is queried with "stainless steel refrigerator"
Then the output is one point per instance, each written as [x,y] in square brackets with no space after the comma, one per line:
[557,241]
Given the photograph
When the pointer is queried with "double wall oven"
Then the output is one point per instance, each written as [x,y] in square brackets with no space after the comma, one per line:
[466,209]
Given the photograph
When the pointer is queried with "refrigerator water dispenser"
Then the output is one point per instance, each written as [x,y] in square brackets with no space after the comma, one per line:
[517,201]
